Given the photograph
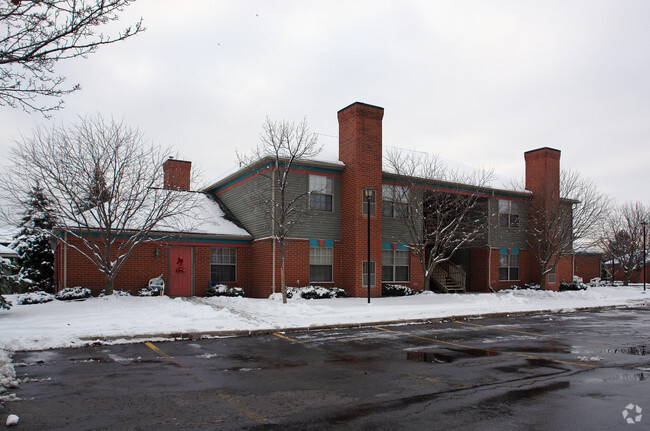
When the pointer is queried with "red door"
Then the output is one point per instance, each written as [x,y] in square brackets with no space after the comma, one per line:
[180,271]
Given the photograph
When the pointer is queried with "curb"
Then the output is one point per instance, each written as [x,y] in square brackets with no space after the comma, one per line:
[180,336]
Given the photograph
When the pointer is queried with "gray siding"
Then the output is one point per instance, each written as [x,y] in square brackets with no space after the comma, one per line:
[250,203]
[507,237]
[317,224]
[395,229]
[246,201]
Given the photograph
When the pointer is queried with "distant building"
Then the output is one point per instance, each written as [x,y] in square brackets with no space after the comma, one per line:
[329,247]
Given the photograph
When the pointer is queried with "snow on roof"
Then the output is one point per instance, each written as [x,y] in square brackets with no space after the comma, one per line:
[204,217]
[7,252]
[195,213]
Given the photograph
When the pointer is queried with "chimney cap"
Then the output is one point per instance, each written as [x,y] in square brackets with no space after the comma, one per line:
[361,104]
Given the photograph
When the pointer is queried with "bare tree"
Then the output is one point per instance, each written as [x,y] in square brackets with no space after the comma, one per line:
[622,237]
[441,207]
[104,181]
[36,35]
[285,143]
[564,221]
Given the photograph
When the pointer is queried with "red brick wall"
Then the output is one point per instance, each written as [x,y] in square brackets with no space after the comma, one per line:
[416,274]
[479,268]
[296,266]
[177,174]
[360,148]
[144,264]
[587,266]
[525,273]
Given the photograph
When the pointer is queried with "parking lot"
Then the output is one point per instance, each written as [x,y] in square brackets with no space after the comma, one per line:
[546,371]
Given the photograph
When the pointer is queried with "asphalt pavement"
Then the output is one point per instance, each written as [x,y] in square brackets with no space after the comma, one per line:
[587,370]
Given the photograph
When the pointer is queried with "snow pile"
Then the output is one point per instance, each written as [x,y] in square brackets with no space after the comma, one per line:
[12,420]
[7,375]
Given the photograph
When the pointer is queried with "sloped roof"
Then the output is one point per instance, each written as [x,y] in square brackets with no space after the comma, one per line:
[196,214]
[204,217]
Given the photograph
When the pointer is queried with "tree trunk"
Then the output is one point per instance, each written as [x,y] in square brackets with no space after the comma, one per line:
[427,281]
[542,281]
[282,279]
[108,285]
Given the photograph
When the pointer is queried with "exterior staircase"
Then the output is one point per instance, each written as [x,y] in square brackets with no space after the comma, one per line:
[449,278]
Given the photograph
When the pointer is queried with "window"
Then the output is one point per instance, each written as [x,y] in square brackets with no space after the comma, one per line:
[320,193]
[364,270]
[395,265]
[552,277]
[372,203]
[223,265]
[321,261]
[508,213]
[508,264]
[394,201]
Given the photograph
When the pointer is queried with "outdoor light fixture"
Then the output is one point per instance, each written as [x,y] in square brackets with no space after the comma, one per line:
[368,193]
[644,224]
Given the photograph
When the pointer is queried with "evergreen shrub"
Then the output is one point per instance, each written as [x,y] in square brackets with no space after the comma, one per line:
[223,290]
[38,297]
[73,293]
[396,290]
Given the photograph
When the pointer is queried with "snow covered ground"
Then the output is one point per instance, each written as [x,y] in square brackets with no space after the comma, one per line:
[121,319]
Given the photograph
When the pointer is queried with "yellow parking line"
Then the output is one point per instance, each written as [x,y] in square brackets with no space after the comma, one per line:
[491,351]
[293,340]
[157,350]
[500,329]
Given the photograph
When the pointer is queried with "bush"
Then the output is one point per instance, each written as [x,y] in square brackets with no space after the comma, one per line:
[564,286]
[39,297]
[150,291]
[73,293]
[223,290]
[529,286]
[315,292]
[396,290]
[116,293]
[4,304]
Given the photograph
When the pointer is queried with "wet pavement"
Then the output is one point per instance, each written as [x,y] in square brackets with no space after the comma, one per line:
[541,372]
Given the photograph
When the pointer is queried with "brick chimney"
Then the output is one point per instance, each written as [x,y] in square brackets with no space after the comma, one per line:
[177,174]
[360,148]
[543,179]
[543,175]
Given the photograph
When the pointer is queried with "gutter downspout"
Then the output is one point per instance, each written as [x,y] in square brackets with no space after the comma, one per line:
[65,260]
[273,224]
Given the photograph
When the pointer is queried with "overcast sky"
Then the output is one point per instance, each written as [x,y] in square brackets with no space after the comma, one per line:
[476,82]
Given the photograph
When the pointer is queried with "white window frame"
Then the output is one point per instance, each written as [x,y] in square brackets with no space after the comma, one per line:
[509,209]
[326,189]
[321,256]
[214,261]
[394,201]
[391,262]
[512,262]
[373,273]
